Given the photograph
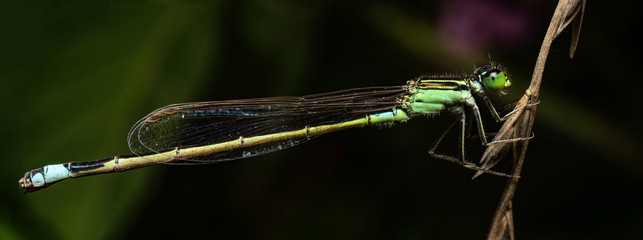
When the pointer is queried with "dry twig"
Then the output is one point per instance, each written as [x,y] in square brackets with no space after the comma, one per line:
[519,125]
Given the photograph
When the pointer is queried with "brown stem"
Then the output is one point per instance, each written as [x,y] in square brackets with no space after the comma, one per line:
[502,224]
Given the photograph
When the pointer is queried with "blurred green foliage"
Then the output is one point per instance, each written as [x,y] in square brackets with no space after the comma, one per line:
[76,75]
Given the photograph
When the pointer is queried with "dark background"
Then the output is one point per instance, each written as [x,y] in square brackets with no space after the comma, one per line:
[76,75]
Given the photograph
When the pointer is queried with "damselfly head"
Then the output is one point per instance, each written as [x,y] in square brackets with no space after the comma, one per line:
[493,78]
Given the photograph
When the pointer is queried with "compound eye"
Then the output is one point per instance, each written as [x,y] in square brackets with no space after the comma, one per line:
[495,80]
[484,68]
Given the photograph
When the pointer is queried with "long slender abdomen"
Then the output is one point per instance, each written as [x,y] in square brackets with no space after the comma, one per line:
[42,177]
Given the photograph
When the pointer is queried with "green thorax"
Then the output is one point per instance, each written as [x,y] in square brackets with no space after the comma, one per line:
[428,94]
[433,95]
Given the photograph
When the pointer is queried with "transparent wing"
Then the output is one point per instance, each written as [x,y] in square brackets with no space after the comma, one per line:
[205,123]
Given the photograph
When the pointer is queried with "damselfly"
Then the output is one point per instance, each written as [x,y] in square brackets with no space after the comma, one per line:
[208,132]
